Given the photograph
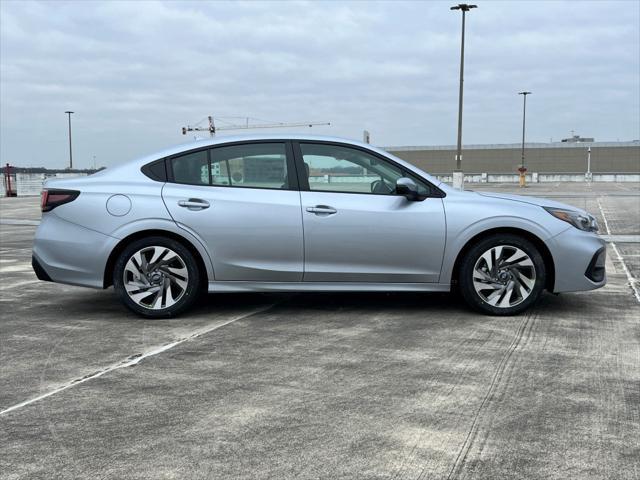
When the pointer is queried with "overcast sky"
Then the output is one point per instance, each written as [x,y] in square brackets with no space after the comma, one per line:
[135,72]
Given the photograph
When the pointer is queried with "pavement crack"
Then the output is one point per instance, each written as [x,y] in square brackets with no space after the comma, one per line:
[133,360]
[493,386]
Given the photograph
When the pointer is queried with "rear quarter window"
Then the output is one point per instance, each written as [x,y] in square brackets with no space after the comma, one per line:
[156,171]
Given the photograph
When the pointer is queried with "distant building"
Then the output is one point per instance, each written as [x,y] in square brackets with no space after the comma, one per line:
[556,157]
[578,139]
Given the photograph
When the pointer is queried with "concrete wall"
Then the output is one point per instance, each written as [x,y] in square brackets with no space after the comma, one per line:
[612,157]
[30,184]
[531,177]
[535,177]
[342,178]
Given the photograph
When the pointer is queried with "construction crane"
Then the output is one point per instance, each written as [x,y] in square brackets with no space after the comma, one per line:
[212,129]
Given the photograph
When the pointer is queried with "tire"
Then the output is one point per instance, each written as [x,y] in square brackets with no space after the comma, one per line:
[157,277]
[508,290]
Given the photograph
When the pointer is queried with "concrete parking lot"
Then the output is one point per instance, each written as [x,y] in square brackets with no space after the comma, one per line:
[319,386]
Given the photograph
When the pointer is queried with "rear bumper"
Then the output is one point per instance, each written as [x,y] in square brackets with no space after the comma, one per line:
[41,273]
[579,259]
[68,253]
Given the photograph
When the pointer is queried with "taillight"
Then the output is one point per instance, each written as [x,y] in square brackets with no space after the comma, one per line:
[51,199]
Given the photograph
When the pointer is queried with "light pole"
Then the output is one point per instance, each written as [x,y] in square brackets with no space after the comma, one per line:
[68,112]
[522,168]
[458,176]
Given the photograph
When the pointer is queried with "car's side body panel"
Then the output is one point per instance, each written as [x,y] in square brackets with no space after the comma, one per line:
[238,287]
[470,214]
[71,253]
[251,234]
[261,239]
[372,238]
[169,226]
[101,230]
[106,203]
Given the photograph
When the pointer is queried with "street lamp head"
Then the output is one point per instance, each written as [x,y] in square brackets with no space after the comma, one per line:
[524,93]
[68,111]
[464,7]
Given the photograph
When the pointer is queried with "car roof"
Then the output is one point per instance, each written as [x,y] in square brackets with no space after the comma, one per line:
[205,142]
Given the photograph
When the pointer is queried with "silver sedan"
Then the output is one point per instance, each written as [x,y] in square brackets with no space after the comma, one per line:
[305,213]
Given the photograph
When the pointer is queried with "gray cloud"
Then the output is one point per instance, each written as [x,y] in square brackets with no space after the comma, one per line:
[135,72]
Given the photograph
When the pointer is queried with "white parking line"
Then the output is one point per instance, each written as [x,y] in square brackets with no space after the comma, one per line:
[13,221]
[632,281]
[622,238]
[133,360]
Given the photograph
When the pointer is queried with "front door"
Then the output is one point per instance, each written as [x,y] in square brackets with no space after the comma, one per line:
[356,229]
[242,201]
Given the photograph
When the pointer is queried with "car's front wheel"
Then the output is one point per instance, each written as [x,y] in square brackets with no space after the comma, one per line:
[502,274]
[156,277]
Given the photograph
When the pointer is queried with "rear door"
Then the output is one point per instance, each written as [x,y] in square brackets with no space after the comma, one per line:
[242,201]
[356,229]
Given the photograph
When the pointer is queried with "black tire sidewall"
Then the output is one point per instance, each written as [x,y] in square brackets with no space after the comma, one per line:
[193,286]
[465,279]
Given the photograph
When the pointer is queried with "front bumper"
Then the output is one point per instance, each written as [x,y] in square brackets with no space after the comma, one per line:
[579,259]
[68,253]
[596,270]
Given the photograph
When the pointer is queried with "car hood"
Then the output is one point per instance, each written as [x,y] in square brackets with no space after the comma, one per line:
[541,202]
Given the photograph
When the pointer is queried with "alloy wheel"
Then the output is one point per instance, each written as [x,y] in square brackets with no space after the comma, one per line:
[155,277]
[504,276]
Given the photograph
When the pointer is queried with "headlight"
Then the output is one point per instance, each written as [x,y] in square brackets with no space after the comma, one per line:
[581,221]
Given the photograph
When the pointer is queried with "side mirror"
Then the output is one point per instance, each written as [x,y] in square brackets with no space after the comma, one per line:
[407,188]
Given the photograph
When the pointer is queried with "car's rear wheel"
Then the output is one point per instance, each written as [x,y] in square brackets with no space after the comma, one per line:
[156,277]
[502,274]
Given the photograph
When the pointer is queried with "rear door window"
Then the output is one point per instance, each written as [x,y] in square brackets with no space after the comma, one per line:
[258,165]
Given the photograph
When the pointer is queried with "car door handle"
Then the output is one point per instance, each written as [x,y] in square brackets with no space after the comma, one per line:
[194,204]
[322,210]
